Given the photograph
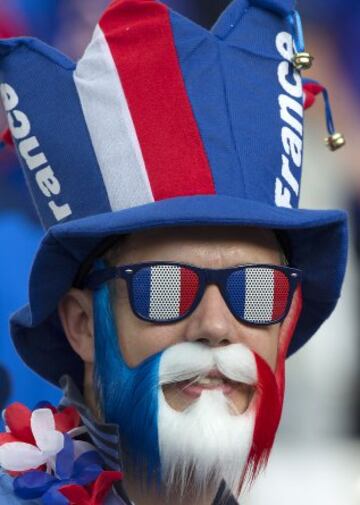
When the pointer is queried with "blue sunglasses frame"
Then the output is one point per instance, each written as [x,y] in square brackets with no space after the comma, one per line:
[206,276]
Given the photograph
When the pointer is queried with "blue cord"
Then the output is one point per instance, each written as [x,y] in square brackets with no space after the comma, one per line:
[328,113]
[329,117]
[295,21]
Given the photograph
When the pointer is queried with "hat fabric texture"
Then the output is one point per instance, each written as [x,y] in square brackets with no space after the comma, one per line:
[162,123]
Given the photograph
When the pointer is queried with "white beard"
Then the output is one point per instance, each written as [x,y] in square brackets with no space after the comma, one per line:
[205,443]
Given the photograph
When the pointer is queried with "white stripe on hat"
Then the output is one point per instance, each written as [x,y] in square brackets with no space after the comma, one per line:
[165,286]
[259,294]
[111,127]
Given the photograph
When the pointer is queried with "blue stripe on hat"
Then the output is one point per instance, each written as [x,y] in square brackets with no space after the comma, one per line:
[247,156]
[198,56]
[247,25]
[49,122]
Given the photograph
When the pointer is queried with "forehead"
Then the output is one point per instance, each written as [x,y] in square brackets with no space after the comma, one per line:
[213,247]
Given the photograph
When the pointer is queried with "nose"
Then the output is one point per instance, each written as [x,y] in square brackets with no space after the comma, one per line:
[212,322]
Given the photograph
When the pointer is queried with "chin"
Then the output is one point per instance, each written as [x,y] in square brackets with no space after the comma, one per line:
[204,444]
[210,425]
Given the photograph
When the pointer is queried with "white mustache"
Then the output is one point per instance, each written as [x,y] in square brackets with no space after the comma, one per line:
[189,360]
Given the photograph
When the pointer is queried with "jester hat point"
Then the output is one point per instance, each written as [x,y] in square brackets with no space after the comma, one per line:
[162,123]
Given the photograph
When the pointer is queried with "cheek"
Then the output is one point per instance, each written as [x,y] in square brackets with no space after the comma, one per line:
[139,339]
[265,343]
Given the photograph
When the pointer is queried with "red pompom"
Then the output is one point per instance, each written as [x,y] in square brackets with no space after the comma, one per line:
[6,137]
[311,90]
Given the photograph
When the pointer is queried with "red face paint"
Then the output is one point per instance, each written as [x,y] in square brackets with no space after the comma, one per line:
[268,405]
[269,397]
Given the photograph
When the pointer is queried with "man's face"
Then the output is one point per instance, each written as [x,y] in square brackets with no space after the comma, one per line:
[196,400]
[211,323]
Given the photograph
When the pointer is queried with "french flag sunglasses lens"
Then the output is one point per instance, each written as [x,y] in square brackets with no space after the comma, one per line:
[164,292]
[258,295]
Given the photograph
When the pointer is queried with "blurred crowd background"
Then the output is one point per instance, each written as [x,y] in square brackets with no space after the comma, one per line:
[317,455]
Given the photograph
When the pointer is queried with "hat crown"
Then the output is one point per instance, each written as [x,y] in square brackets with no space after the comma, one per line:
[163,123]
[158,108]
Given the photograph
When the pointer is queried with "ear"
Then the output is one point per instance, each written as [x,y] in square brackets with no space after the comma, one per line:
[76,315]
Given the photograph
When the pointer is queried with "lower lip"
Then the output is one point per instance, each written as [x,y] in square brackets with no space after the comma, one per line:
[195,390]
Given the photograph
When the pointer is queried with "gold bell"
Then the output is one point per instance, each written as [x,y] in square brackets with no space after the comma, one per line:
[335,141]
[302,61]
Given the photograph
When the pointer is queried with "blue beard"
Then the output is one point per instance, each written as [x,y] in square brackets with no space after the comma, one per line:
[128,396]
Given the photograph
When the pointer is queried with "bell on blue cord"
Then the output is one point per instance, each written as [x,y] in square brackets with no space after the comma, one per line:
[312,88]
[302,60]
[335,141]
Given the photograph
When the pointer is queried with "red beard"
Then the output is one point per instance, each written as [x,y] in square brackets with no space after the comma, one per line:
[270,397]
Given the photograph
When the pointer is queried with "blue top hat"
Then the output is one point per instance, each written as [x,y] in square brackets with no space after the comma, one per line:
[162,123]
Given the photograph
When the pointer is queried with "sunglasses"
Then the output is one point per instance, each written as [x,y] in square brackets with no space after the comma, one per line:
[167,292]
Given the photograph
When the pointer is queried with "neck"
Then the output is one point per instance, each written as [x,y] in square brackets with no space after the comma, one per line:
[89,392]
[143,494]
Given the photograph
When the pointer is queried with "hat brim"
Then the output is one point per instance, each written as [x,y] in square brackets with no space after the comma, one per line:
[317,239]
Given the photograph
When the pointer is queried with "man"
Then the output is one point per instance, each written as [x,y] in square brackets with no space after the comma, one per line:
[204,355]
[176,274]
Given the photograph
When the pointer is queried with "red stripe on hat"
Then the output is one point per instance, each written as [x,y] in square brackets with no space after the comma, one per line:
[140,39]
[281,292]
[189,286]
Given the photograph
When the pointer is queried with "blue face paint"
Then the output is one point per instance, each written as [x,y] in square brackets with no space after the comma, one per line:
[128,396]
